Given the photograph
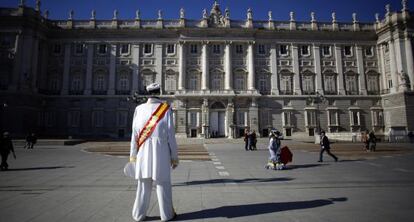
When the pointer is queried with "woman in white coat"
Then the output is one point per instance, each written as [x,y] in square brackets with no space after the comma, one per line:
[155,158]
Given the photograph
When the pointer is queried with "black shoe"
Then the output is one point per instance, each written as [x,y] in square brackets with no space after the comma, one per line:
[336,159]
[320,161]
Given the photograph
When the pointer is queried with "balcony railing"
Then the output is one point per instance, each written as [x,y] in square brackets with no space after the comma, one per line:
[123,92]
[49,91]
[352,93]
[283,92]
[385,91]
[75,92]
[373,92]
[99,92]
[330,93]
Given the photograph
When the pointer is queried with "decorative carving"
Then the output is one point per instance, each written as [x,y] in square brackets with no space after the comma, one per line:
[93,14]
[137,14]
[71,13]
[269,14]
[388,9]
[377,20]
[38,3]
[216,18]
[333,17]
[204,13]
[227,13]
[159,14]
[182,13]
[249,14]
[313,19]
[404,79]
[115,15]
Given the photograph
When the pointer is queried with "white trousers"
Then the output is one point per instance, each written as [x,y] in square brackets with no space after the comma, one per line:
[142,200]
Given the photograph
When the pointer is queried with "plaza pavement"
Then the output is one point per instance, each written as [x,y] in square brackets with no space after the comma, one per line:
[65,183]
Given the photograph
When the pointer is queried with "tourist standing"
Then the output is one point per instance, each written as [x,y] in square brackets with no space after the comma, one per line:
[372,141]
[246,139]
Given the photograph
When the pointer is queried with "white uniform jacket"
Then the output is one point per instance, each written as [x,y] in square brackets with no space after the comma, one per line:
[154,157]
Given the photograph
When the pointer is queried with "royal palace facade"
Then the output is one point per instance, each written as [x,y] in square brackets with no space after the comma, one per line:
[72,77]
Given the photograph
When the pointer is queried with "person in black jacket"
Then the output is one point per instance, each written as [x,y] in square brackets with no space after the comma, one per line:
[325,146]
[6,146]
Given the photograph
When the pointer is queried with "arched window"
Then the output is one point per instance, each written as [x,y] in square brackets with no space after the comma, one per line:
[240,79]
[170,81]
[100,82]
[351,83]
[76,83]
[286,83]
[194,78]
[308,82]
[329,83]
[217,78]
[123,85]
[373,83]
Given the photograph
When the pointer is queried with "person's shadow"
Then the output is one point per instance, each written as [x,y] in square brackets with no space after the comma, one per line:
[256,209]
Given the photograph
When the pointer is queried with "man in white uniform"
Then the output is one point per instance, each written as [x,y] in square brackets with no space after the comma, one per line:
[155,158]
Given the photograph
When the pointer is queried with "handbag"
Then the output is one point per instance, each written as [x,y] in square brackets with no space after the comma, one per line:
[129,169]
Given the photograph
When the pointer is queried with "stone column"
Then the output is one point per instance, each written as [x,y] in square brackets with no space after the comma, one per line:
[26,62]
[66,70]
[181,119]
[136,64]
[381,59]
[318,72]
[44,61]
[158,66]
[112,70]
[393,67]
[89,69]
[205,118]
[410,62]
[17,62]
[296,75]
[205,67]
[339,70]
[250,67]
[361,70]
[228,67]
[181,66]
[273,69]
[35,64]
[230,119]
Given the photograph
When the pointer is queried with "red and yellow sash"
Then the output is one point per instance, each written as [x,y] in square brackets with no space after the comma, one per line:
[149,127]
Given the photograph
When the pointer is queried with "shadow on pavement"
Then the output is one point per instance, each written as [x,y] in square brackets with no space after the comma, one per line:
[292,167]
[246,180]
[39,168]
[257,209]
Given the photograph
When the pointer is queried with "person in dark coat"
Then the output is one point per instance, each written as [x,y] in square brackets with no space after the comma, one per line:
[246,139]
[372,141]
[325,146]
[253,140]
[6,146]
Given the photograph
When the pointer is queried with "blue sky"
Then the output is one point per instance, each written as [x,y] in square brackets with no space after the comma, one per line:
[365,9]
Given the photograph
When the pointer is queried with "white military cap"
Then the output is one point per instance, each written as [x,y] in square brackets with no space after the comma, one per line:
[153,87]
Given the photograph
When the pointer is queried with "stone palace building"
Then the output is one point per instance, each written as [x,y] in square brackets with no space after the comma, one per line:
[72,77]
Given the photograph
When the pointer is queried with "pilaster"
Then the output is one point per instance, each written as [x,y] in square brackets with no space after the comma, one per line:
[296,74]
[135,65]
[361,70]
[89,69]
[410,60]
[158,65]
[339,69]
[250,68]
[228,67]
[205,67]
[273,69]
[393,67]
[112,70]
[66,70]
[318,72]
[181,66]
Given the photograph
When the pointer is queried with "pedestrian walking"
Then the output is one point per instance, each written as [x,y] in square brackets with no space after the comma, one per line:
[246,139]
[411,136]
[154,151]
[254,140]
[31,140]
[372,141]
[6,146]
[274,150]
[325,147]
[364,139]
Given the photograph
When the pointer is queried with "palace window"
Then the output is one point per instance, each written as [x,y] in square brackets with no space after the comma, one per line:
[351,84]
[377,118]
[354,117]
[304,50]
[170,49]
[284,50]
[148,77]
[122,119]
[193,48]
[373,84]
[348,51]
[216,49]
[261,49]
[97,118]
[193,119]
[79,48]
[100,83]
[194,83]
[308,84]
[124,49]
[264,83]
[240,80]
[330,84]
[147,48]
[76,83]
[241,118]
[73,118]
[286,84]
[217,81]
[333,117]
[326,50]
[239,49]
[310,117]
[369,51]
[170,81]
[102,49]
[57,48]
[123,82]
